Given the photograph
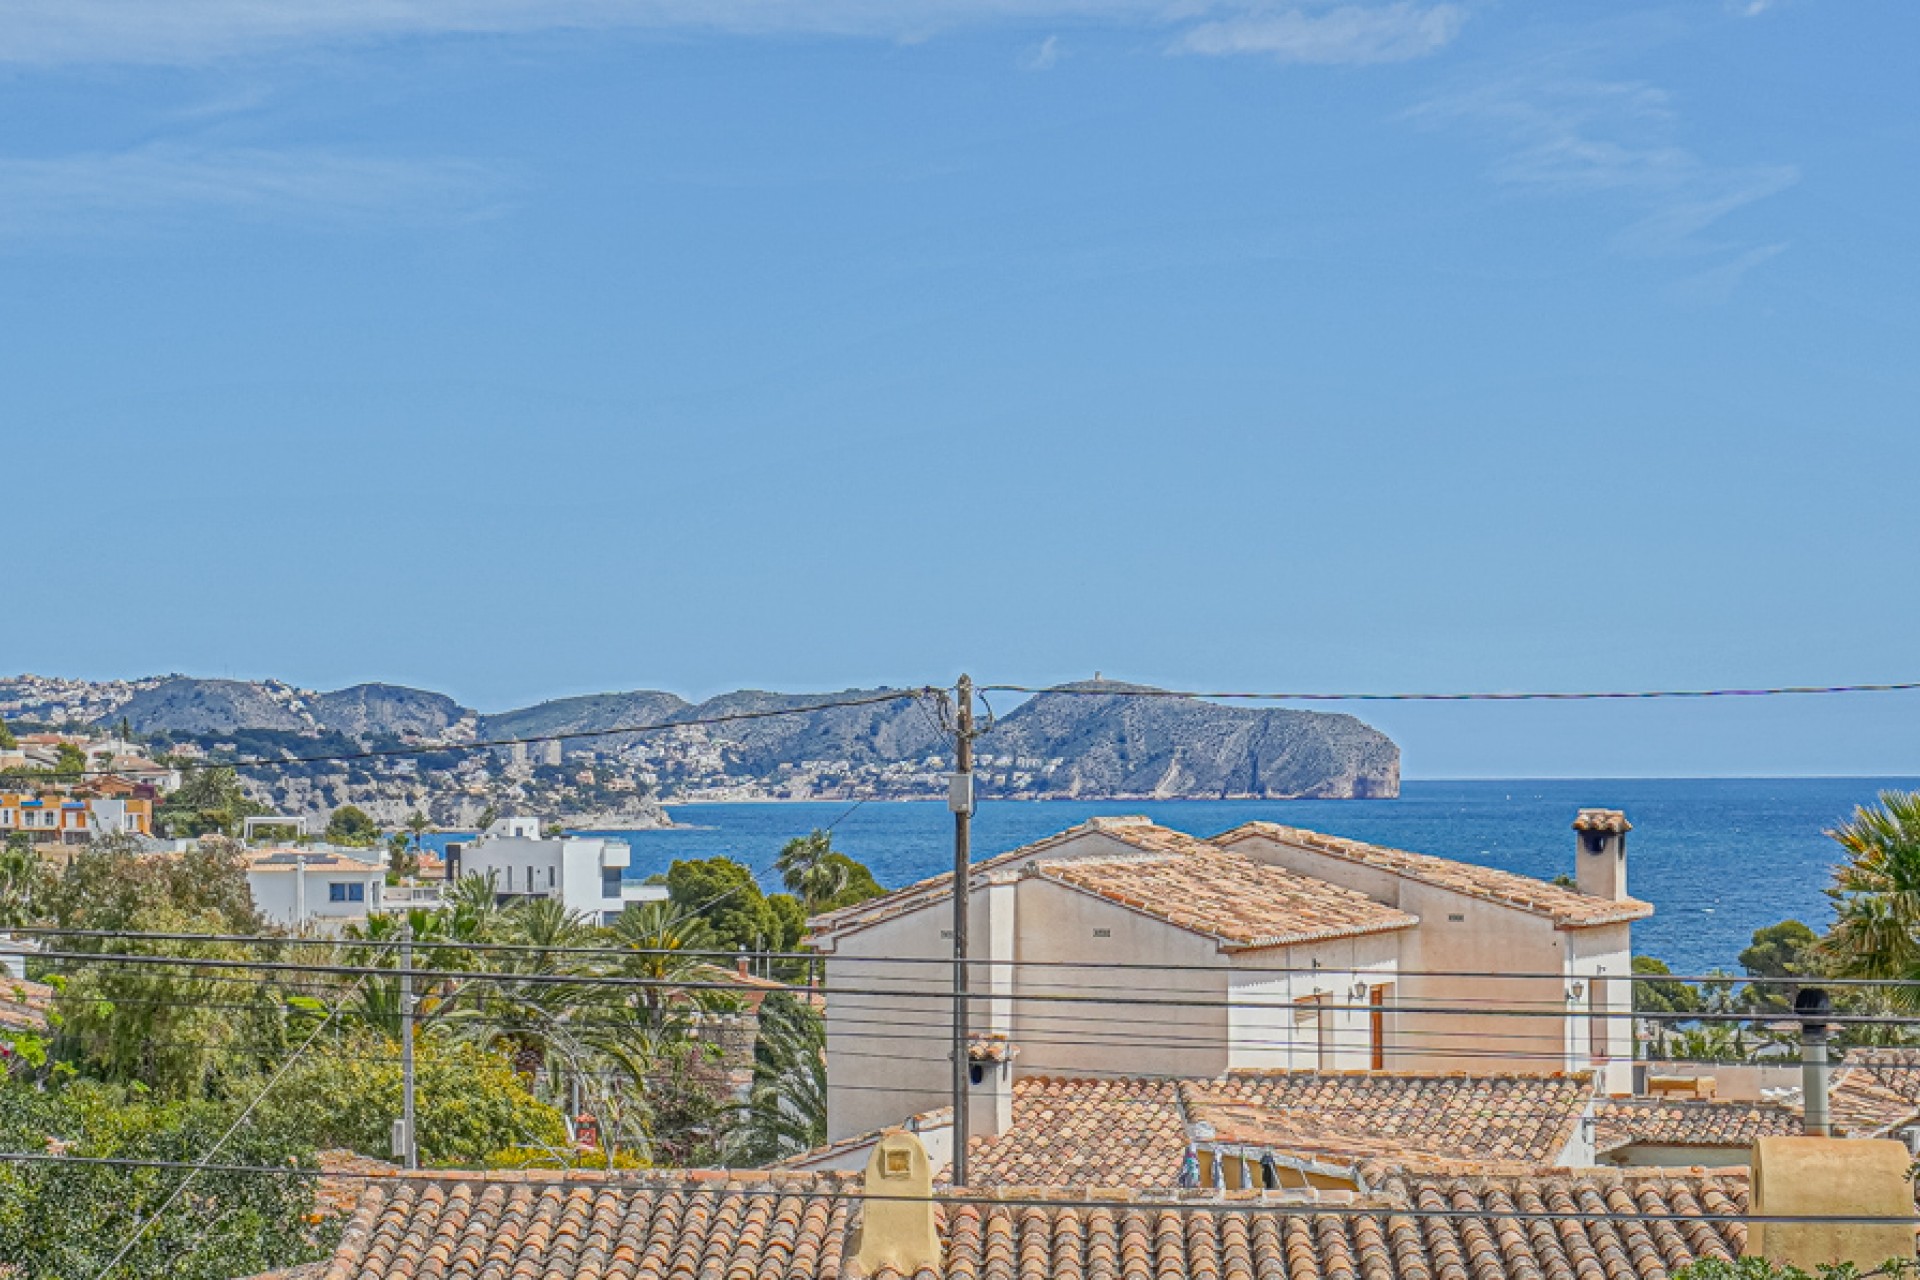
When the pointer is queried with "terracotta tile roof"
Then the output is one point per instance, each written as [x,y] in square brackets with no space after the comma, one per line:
[1249,1240]
[1875,1090]
[1187,882]
[1303,1137]
[992,1047]
[1528,1118]
[1134,1132]
[1136,833]
[1085,1132]
[802,1227]
[1621,1122]
[1565,907]
[316,860]
[1501,1246]
[343,1177]
[23,1004]
[587,1224]
[1225,896]
[1610,820]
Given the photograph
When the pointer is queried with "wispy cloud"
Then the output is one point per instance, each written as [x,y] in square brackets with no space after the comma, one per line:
[1559,134]
[1717,283]
[1351,34]
[98,192]
[186,32]
[1042,56]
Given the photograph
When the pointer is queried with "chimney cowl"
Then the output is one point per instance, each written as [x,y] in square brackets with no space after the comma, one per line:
[1812,1005]
[1607,820]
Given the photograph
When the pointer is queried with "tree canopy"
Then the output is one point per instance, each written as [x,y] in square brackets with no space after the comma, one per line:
[1876,894]
[352,825]
[471,1103]
[62,1220]
[723,893]
[208,802]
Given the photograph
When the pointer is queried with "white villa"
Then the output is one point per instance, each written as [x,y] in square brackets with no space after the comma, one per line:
[323,887]
[1264,948]
[585,873]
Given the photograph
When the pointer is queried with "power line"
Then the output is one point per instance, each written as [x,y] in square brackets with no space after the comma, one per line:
[197,1167]
[1233,970]
[1098,691]
[381,753]
[927,992]
[770,1183]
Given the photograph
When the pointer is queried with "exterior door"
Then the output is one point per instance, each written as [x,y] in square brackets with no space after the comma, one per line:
[1377,1027]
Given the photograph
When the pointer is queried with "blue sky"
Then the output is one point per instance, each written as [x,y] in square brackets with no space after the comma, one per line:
[598,344]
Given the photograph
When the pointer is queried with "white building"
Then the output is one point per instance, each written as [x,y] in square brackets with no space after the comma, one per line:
[324,887]
[1266,948]
[587,873]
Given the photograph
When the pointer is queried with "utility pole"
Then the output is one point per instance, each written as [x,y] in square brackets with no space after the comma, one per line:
[409,1152]
[960,800]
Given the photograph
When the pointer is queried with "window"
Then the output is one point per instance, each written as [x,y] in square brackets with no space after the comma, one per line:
[338,892]
[1377,1027]
[610,882]
[549,877]
[1313,1030]
[1598,1028]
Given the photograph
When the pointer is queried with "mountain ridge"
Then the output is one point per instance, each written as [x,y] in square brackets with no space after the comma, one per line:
[1087,740]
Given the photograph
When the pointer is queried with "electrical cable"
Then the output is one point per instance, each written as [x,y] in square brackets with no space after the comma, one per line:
[382,753]
[769,1184]
[1531,696]
[931,992]
[946,962]
[198,1166]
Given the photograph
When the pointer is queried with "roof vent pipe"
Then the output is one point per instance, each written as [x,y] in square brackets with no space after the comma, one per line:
[1812,1007]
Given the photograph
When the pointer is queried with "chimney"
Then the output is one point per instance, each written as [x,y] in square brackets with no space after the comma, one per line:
[990,1075]
[1837,1179]
[1812,1007]
[1600,866]
[897,1231]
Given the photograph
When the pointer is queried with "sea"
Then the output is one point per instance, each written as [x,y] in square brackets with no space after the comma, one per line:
[1717,857]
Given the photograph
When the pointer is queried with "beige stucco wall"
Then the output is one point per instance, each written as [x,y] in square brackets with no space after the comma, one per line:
[1181,1006]
[1265,986]
[887,1052]
[1064,934]
[1437,1027]
[1654,1155]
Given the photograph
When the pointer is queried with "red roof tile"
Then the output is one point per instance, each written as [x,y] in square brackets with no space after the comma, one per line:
[1622,1122]
[1565,907]
[797,1227]
[1875,1090]
[1228,897]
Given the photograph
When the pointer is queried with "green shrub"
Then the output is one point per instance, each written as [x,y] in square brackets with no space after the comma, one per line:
[470,1103]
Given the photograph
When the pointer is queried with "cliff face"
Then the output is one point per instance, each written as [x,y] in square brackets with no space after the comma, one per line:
[1088,741]
[1120,745]
[593,713]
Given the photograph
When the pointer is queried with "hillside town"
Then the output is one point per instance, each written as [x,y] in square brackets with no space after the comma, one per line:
[1257,1052]
[613,761]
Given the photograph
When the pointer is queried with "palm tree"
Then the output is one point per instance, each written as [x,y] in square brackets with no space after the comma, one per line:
[666,946]
[787,1110]
[810,871]
[1876,895]
[535,1020]
[21,878]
